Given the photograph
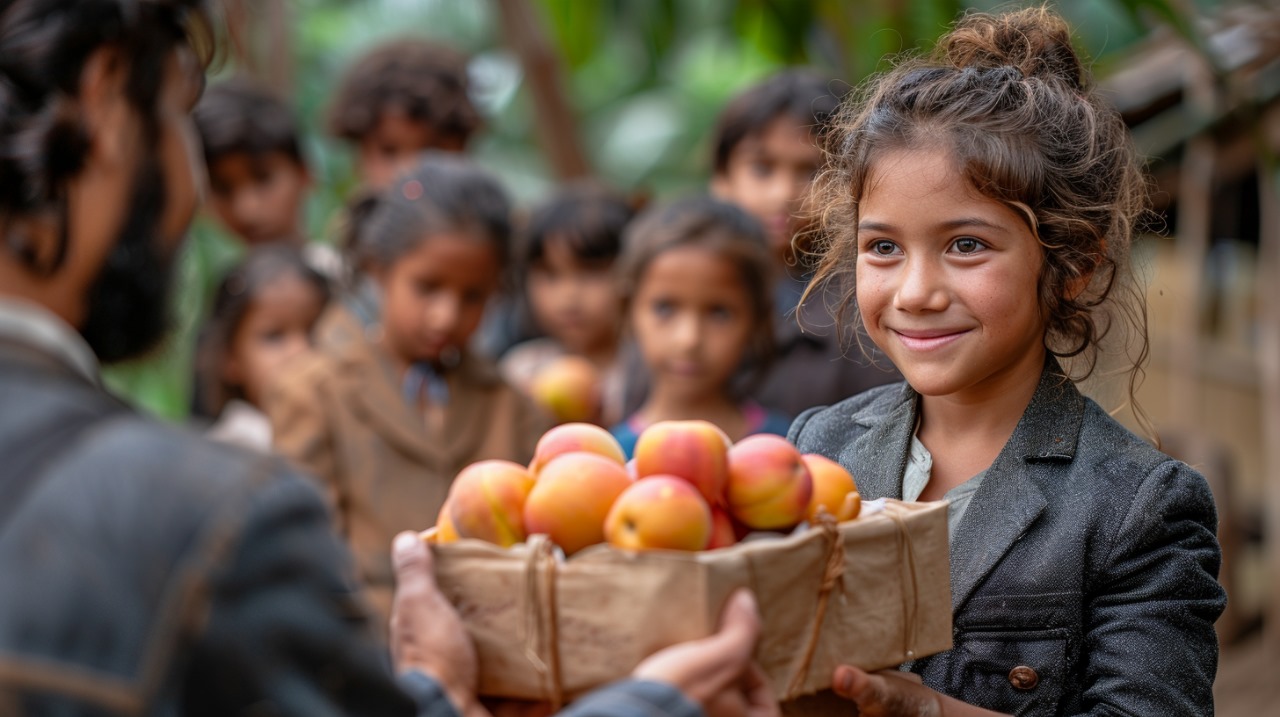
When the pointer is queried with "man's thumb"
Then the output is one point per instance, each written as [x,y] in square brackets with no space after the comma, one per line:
[414,563]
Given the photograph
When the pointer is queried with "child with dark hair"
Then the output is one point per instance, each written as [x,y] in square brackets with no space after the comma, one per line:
[566,261]
[263,314]
[765,153]
[258,178]
[978,209]
[695,277]
[399,99]
[387,420]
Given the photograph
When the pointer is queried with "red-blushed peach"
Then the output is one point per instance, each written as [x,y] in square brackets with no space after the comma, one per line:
[722,532]
[832,484]
[575,438]
[568,388]
[696,451]
[445,532]
[659,513]
[572,497]
[769,485]
[486,502]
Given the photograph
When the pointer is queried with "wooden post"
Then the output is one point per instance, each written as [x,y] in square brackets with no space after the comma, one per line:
[1269,369]
[1195,191]
[554,118]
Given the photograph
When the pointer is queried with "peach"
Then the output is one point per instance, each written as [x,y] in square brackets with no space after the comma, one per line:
[722,532]
[487,500]
[572,497]
[693,450]
[575,438]
[833,489]
[445,532]
[659,512]
[568,388]
[769,485]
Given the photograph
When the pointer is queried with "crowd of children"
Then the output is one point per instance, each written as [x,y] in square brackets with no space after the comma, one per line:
[980,248]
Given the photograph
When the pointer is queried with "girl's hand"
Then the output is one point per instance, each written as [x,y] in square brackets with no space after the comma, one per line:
[891,693]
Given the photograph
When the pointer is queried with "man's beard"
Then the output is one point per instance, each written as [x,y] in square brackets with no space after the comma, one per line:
[129,301]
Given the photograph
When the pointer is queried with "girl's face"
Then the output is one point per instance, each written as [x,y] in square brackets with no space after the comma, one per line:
[434,296]
[947,280]
[693,320]
[575,302]
[275,330]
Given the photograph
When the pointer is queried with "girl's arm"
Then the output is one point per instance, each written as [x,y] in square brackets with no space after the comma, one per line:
[1150,646]
[301,432]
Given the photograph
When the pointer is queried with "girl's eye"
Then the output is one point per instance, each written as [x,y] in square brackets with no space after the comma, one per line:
[662,308]
[274,336]
[967,245]
[720,314]
[883,247]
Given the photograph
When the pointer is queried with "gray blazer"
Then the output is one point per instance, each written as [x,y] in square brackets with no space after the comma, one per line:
[1084,572]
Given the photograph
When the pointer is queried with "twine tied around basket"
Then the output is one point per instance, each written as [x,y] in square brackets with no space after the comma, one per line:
[832,572]
[542,641]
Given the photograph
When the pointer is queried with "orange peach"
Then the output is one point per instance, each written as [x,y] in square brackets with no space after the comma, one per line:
[832,489]
[487,499]
[722,532]
[769,485]
[659,512]
[445,532]
[575,438]
[693,450]
[572,497]
[568,388]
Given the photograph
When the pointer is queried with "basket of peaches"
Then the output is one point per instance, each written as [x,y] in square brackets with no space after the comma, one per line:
[570,571]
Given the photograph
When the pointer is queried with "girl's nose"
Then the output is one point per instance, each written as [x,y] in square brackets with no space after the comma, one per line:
[685,332]
[922,286]
[444,312]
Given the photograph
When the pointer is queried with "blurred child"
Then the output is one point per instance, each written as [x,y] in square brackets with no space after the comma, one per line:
[566,261]
[387,422]
[258,179]
[399,99]
[765,154]
[980,206]
[262,317]
[695,276]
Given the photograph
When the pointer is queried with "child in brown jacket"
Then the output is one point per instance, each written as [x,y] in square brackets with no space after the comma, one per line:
[388,421]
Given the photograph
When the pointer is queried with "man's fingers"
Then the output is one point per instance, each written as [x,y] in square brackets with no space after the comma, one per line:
[849,682]
[740,623]
[415,566]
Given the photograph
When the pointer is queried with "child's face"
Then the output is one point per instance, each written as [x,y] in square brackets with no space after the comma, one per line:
[434,296]
[767,174]
[575,302]
[947,279]
[258,197]
[275,330]
[693,320]
[393,146]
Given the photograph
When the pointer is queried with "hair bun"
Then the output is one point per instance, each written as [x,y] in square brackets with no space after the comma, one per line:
[1035,41]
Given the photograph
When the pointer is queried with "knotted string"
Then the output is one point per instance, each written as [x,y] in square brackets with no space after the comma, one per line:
[911,602]
[830,576]
[542,640]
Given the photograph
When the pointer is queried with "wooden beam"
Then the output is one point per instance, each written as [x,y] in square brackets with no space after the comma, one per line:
[1269,369]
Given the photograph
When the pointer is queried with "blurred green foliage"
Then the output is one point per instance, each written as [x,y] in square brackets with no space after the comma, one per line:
[645,77]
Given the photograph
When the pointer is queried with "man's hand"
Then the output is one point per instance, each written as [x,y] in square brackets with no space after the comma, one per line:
[426,631]
[717,672]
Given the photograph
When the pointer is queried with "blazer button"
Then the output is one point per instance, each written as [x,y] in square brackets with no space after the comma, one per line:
[1023,678]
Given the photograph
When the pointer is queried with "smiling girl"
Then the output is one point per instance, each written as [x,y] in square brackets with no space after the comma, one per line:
[978,209]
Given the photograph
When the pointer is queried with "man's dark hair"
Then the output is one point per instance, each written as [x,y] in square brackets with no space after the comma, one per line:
[425,80]
[241,115]
[802,95]
[44,45]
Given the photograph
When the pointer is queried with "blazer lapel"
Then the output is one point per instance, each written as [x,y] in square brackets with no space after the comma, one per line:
[1010,498]
[878,457]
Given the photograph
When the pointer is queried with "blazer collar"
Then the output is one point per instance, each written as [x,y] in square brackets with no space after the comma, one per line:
[1008,500]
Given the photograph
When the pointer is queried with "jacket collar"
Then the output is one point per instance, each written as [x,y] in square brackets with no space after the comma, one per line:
[30,324]
[1008,500]
[371,386]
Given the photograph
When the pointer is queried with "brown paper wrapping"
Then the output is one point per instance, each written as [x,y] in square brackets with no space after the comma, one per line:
[872,592]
